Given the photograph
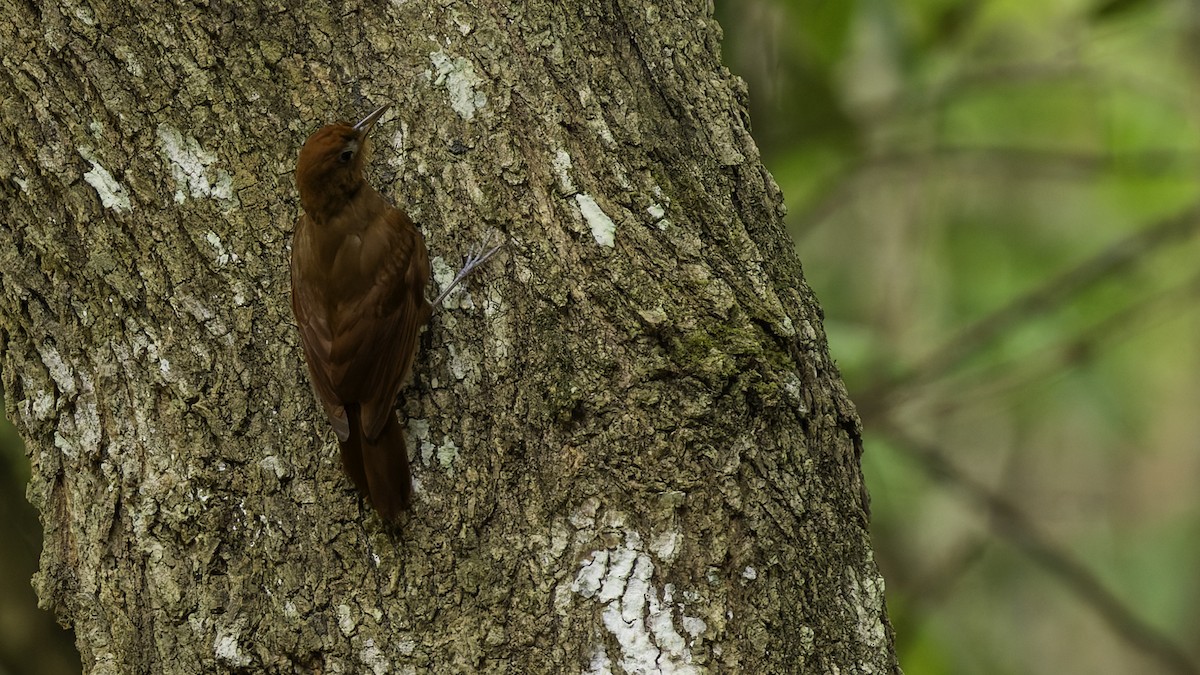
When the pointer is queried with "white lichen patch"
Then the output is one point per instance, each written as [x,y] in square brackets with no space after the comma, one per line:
[81,431]
[113,195]
[59,371]
[694,626]
[419,429]
[457,75]
[603,227]
[658,216]
[865,597]
[447,452]
[638,613]
[794,389]
[374,658]
[750,574]
[228,651]
[787,327]
[223,257]
[239,291]
[191,166]
[560,536]
[591,575]
[662,623]
[459,363]
[201,313]
[41,405]
[85,436]
[600,663]
[665,545]
[346,622]
[658,210]
[562,170]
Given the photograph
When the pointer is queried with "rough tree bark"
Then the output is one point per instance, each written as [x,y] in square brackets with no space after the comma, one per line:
[632,450]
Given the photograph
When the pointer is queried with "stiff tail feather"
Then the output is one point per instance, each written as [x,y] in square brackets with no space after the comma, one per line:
[379,467]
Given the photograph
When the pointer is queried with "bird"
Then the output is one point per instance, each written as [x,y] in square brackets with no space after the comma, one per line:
[359,268]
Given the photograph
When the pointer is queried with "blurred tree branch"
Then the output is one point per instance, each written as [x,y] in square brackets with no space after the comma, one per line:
[876,399]
[1006,377]
[1011,524]
[840,189]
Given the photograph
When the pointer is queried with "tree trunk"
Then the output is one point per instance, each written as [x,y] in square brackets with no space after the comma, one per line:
[632,451]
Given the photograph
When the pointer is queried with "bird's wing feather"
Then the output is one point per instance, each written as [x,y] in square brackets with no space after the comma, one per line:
[315,333]
[397,308]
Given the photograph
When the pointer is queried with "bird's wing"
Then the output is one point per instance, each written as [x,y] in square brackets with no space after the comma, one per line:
[396,308]
[315,333]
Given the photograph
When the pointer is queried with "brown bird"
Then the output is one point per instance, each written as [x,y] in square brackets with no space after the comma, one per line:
[359,268]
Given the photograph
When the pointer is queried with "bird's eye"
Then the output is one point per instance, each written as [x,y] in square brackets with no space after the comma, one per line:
[346,156]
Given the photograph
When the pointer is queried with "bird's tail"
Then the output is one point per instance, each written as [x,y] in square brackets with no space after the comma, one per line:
[379,467]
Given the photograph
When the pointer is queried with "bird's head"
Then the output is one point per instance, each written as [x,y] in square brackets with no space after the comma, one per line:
[330,168]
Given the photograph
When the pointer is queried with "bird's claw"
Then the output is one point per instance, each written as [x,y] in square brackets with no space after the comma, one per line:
[476,256]
[480,252]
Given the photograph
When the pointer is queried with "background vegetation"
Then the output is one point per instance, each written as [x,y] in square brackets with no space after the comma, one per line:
[996,201]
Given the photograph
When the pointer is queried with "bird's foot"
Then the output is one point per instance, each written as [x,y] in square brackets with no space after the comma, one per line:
[478,255]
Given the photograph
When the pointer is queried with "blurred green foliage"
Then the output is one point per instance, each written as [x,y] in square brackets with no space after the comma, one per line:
[31,643]
[978,191]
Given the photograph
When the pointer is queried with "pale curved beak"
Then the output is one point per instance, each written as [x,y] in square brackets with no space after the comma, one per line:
[364,126]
